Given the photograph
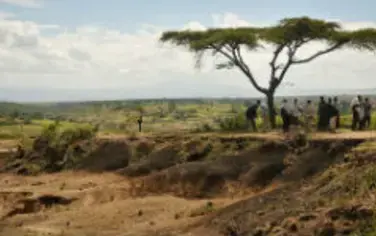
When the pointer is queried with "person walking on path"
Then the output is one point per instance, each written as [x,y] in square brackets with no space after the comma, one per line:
[251,115]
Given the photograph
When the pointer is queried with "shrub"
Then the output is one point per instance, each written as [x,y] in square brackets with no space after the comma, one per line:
[233,123]
[57,145]
[204,128]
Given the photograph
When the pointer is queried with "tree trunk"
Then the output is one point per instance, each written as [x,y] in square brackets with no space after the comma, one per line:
[271,109]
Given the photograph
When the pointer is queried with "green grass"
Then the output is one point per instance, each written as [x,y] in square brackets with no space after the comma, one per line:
[157,118]
[18,131]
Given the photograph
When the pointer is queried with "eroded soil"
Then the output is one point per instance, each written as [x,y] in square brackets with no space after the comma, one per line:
[199,186]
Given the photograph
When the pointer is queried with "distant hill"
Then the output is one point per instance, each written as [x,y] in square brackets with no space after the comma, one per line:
[79,95]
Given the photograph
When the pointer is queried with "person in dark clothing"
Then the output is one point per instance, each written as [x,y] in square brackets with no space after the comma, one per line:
[251,114]
[367,113]
[332,115]
[338,116]
[323,116]
[139,121]
[285,115]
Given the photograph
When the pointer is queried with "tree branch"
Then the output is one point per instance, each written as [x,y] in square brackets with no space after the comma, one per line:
[245,69]
[272,64]
[235,57]
[319,53]
[276,81]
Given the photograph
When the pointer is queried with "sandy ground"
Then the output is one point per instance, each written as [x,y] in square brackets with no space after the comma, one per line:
[103,206]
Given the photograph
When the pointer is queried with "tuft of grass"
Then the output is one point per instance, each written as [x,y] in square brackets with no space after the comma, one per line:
[203,210]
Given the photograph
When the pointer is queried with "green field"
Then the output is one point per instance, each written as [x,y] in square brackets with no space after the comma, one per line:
[20,121]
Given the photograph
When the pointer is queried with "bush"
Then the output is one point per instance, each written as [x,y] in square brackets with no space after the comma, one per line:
[204,128]
[234,123]
[236,108]
[57,145]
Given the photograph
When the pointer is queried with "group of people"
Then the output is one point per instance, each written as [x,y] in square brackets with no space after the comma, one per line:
[327,112]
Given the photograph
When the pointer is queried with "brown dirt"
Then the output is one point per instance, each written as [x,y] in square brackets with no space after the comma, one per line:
[102,206]
[218,185]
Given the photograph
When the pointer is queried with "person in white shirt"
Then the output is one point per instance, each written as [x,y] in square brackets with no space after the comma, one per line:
[309,114]
[296,113]
[332,113]
[356,110]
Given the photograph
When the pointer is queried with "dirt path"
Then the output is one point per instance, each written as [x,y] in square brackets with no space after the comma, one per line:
[340,135]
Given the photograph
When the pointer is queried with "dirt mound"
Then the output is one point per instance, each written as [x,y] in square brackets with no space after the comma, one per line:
[87,155]
[279,162]
[157,160]
[207,177]
[295,207]
[308,163]
[107,156]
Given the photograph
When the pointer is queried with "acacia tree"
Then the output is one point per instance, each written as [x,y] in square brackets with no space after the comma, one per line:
[285,38]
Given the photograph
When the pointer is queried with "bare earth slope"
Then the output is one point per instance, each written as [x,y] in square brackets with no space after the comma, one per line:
[274,190]
[102,207]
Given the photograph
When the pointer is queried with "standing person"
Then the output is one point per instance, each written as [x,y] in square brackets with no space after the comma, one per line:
[251,114]
[361,113]
[367,113]
[296,113]
[285,115]
[355,109]
[309,115]
[337,110]
[323,117]
[264,116]
[332,115]
[139,121]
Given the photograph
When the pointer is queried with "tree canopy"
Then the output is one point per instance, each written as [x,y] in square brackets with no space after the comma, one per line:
[286,38]
[289,33]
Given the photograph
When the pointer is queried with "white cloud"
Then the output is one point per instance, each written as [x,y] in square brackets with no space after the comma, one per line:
[24,3]
[6,15]
[91,57]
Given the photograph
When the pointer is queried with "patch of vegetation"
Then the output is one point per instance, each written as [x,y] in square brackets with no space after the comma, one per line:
[366,228]
[56,148]
[234,123]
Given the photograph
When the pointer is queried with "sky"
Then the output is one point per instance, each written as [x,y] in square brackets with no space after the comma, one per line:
[82,50]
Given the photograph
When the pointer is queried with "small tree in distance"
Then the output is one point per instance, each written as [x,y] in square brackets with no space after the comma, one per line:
[286,38]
